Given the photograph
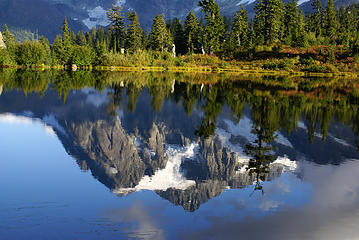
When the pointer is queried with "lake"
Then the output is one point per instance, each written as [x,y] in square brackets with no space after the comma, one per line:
[91,155]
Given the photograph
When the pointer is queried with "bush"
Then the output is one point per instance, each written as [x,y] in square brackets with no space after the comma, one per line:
[330,53]
[306,60]
[179,62]
[31,53]
[269,65]
[318,67]
[202,60]
[83,56]
[141,58]
[223,64]
[286,64]
[115,59]
[6,57]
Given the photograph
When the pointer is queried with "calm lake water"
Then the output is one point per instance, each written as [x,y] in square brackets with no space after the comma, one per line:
[174,156]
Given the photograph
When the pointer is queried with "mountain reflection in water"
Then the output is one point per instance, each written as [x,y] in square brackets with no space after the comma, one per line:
[190,138]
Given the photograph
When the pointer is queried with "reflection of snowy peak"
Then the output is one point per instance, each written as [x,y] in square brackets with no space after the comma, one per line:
[148,150]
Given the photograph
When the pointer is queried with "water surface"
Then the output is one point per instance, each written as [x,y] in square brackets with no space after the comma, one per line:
[173,156]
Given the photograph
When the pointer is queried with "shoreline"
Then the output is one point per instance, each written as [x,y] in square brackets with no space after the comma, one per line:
[199,69]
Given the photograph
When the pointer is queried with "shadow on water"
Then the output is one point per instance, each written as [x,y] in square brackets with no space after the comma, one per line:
[188,137]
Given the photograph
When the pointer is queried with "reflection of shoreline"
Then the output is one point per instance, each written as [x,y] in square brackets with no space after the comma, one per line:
[128,152]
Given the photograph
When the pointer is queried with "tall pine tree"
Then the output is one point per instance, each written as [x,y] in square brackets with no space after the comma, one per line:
[268,21]
[63,45]
[293,25]
[134,33]
[192,33]
[239,28]
[179,37]
[214,28]
[330,20]
[117,27]
[160,38]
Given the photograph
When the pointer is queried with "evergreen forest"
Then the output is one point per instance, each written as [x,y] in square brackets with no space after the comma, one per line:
[278,38]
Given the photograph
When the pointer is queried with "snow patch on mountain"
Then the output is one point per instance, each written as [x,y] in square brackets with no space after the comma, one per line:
[245,2]
[340,141]
[300,2]
[288,164]
[169,177]
[97,17]
[225,137]
[244,129]
[52,121]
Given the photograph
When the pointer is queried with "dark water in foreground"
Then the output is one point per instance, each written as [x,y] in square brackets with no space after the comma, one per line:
[147,156]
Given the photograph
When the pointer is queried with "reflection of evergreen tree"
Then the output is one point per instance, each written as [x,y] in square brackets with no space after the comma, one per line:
[159,89]
[116,98]
[133,92]
[212,107]
[187,93]
[64,82]
[32,81]
[261,149]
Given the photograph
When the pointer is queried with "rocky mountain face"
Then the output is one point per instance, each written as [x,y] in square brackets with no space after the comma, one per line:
[121,161]
[47,16]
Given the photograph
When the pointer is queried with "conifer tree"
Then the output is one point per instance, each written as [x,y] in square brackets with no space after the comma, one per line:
[268,21]
[316,18]
[239,27]
[293,25]
[117,19]
[66,33]
[100,34]
[160,38]
[330,21]
[348,26]
[134,33]
[80,38]
[9,38]
[63,46]
[179,38]
[192,33]
[214,27]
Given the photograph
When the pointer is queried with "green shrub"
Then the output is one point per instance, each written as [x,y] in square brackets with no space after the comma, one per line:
[330,53]
[83,56]
[269,65]
[6,57]
[317,67]
[306,60]
[179,62]
[115,59]
[31,53]
[141,58]
[286,64]
[223,64]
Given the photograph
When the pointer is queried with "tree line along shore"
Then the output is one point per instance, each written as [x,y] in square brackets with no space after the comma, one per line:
[279,39]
